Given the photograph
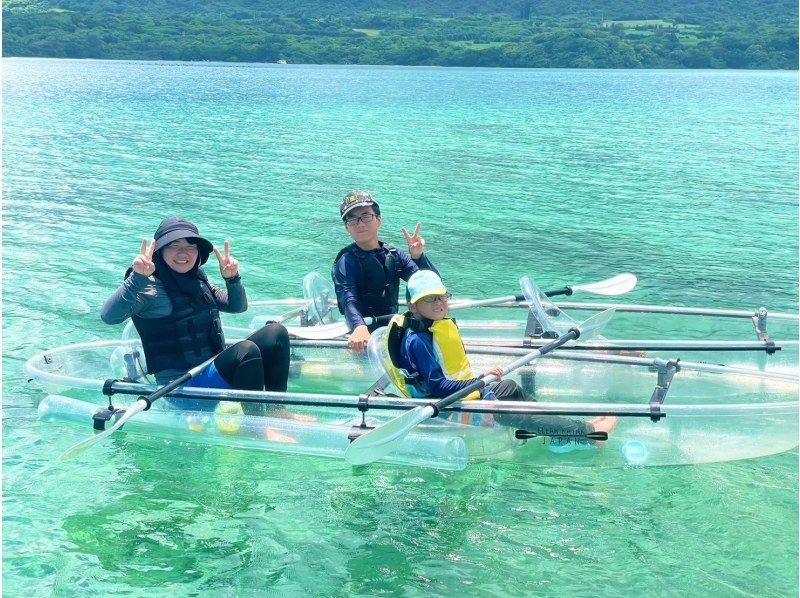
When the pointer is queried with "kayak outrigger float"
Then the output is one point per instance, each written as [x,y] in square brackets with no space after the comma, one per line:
[671,412]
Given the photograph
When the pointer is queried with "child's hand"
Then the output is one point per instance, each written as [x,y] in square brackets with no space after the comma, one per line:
[494,372]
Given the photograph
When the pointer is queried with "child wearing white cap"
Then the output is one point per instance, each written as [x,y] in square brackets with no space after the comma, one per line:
[433,360]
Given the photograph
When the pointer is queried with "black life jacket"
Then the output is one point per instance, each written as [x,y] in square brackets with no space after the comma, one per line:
[377,284]
[187,337]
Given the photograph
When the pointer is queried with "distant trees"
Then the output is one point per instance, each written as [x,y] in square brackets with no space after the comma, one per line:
[507,33]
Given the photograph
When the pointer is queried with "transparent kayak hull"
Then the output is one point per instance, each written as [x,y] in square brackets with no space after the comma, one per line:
[700,334]
[442,447]
[705,414]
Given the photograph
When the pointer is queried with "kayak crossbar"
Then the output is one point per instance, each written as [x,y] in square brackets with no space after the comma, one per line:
[659,309]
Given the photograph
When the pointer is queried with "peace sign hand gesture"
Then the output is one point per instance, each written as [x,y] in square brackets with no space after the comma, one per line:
[228,266]
[416,244]
[143,263]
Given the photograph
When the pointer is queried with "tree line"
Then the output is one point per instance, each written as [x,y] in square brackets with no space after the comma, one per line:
[524,33]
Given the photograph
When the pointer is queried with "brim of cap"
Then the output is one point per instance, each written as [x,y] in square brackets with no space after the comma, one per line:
[429,292]
[360,204]
[204,245]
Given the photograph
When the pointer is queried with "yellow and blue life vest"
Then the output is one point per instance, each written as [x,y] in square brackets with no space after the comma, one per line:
[449,352]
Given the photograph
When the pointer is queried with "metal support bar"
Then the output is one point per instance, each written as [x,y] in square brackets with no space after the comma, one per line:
[533,329]
[760,322]
[666,372]
[108,386]
[363,406]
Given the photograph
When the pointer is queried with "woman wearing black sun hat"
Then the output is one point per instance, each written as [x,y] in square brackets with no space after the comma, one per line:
[175,309]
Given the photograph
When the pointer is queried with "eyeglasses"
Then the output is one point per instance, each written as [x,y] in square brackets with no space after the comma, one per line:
[365,218]
[436,298]
[174,247]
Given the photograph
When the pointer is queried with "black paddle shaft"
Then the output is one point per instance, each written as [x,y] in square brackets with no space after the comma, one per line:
[154,396]
[563,291]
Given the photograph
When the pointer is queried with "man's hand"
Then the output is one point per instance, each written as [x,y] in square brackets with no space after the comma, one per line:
[358,339]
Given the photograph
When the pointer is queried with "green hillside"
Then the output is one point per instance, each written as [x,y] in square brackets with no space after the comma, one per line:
[508,33]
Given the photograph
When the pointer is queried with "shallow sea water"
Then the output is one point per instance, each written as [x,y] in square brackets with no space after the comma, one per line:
[686,178]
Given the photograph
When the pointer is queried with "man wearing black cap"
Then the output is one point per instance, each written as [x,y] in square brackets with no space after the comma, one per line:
[367,273]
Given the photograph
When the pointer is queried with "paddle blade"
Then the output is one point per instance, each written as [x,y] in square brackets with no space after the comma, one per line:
[384,439]
[592,328]
[324,332]
[551,319]
[616,285]
[320,294]
[77,449]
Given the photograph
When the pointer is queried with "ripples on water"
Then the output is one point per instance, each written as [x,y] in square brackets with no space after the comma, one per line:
[688,179]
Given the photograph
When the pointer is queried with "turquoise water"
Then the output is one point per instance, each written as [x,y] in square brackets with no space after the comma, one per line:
[687,178]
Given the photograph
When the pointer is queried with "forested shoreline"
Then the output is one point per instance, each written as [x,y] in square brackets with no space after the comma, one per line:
[496,33]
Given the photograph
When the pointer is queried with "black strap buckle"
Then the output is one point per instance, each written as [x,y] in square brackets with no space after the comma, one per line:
[104,415]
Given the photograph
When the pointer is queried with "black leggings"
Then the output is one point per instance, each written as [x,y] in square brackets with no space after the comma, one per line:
[544,425]
[259,363]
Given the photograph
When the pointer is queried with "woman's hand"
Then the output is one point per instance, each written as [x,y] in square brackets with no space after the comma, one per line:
[143,263]
[228,265]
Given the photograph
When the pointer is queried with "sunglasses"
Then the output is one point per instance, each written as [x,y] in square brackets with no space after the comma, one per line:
[436,298]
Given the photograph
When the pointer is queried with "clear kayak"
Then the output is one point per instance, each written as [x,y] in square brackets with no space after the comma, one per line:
[671,412]
[756,338]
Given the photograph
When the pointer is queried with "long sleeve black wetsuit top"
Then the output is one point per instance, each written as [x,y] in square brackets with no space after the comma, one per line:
[146,297]
[367,282]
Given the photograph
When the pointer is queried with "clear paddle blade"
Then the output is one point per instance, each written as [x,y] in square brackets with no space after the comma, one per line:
[77,449]
[593,327]
[320,294]
[552,321]
[550,318]
[384,439]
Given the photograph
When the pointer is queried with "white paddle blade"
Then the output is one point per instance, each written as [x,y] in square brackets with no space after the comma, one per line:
[324,332]
[384,439]
[77,449]
[616,285]
[592,327]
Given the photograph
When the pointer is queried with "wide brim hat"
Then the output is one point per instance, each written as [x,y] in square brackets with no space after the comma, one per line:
[356,199]
[174,228]
[424,283]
